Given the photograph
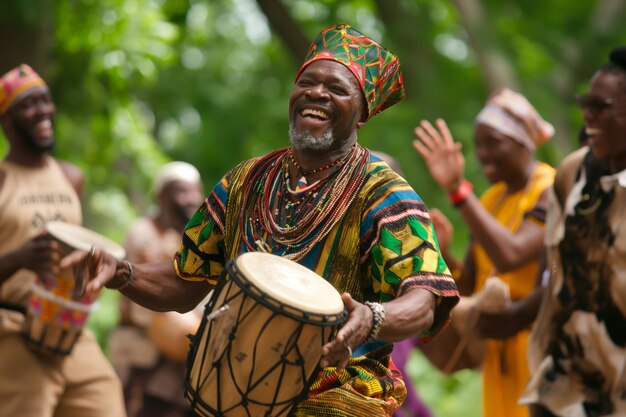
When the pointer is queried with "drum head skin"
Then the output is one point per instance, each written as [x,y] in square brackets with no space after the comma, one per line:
[81,238]
[289,282]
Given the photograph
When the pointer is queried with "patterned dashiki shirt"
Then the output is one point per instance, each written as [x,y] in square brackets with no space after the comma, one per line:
[383,246]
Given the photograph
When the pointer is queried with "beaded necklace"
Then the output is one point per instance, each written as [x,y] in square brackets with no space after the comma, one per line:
[302,182]
[291,222]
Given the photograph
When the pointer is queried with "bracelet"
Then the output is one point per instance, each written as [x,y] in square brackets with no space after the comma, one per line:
[126,281]
[459,196]
[378,317]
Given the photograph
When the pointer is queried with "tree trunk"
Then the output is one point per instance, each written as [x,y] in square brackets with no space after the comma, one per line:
[497,71]
[406,25]
[286,28]
[23,42]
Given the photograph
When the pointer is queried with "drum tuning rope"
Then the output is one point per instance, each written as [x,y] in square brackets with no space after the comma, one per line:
[260,358]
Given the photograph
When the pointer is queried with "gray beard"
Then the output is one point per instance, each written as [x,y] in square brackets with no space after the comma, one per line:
[305,141]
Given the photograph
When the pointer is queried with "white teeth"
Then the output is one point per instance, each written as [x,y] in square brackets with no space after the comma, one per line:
[591,131]
[44,124]
[315,113]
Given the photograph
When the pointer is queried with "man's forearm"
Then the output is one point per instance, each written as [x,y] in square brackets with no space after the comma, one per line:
[408,315]
[156,286]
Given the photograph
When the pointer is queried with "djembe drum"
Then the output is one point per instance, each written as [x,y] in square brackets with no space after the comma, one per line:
[57,310]
[259,344]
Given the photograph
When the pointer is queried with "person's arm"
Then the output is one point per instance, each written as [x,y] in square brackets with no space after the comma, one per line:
[39,255]
[518,315]
[179,284]
[408,315]
[74,175]
[158,287]
[166,330]
[155,286]
[507,250]
[414,285]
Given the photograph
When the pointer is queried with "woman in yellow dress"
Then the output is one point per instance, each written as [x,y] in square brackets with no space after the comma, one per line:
[507,230]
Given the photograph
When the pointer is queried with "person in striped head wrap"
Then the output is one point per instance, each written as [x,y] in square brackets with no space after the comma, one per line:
[36,188]
[328,204]
[17,87]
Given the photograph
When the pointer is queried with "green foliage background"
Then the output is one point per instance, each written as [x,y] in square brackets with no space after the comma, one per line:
[141,82]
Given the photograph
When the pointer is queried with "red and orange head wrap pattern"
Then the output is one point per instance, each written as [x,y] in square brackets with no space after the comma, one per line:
[16,82]
[511,114]
[376,68]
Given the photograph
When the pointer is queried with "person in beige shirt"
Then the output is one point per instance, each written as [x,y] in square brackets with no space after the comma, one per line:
[36,188]
[149,349]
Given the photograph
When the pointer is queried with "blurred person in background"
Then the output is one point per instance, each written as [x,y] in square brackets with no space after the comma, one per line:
[583,137]
[149,349]
[577,348]
[36,188]
[507,231]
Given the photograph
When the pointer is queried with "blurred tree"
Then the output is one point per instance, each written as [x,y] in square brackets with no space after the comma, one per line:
[142,81]
[25,33]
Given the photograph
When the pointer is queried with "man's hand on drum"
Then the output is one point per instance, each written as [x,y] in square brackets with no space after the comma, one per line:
[356,329]
[98,267]
[40,255]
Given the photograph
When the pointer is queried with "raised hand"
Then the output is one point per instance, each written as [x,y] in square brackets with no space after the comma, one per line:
[441,153]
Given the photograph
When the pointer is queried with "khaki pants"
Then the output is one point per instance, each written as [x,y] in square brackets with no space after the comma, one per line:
[82,384]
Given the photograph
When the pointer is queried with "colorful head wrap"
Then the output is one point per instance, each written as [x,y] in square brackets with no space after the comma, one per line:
[15,82]
[512,114]
[376,68]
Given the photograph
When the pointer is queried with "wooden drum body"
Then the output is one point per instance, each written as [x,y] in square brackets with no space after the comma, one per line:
[259,344]
[55,315]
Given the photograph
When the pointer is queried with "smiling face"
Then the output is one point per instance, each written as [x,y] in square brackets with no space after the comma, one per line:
[32,117]
[604,111]
[501,157]
[326,107]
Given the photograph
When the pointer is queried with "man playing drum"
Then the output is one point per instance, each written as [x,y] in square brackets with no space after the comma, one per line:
[328,204]
[34,189]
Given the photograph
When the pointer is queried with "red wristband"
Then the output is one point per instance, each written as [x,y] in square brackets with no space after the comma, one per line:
[459,196]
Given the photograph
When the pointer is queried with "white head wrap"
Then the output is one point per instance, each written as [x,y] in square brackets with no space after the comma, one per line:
[174,171]
[512,114]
